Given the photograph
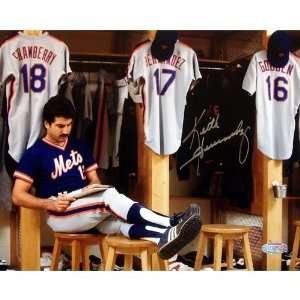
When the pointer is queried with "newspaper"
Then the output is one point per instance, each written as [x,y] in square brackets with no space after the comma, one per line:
[89,190]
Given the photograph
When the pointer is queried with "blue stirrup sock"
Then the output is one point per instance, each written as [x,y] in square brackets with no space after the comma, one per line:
[146,232]
[138,214]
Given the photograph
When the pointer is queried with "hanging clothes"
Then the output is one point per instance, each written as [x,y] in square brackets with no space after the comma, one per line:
[108,105]
[121,88]
[77,90]
[2,120]
[35,64]
[101,145]
[166,84]
[5,179]
[128,152]
[277,102]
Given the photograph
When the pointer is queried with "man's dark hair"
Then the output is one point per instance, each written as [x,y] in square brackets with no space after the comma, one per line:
[58,106]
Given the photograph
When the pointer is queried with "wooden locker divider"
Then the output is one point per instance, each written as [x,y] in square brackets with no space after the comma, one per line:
[265,171]
[152,186]
[30,240]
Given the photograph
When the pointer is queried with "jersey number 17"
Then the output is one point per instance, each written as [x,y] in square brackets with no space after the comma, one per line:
[171,77]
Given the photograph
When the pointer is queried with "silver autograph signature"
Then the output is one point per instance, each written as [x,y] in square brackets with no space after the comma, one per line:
[197,135]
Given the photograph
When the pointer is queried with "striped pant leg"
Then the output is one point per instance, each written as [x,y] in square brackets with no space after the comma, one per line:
[82,215]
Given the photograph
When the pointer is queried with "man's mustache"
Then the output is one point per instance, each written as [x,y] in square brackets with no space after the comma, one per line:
[64,135]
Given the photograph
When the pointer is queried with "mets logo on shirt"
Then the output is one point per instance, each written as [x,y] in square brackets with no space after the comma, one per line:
[62,166]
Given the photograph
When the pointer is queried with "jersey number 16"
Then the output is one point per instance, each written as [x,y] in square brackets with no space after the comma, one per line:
[279,90]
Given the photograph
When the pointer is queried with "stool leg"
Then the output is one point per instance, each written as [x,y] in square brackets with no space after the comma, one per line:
[218,252]
[155,266]
[229,254]
[128,260]
[145,261]
[75,255]
[247,252]
[111,259]
[85,257]
[200,253]
[295,249]
[159,264]
[103,252]
[164,264]
[56,253]
[150,261]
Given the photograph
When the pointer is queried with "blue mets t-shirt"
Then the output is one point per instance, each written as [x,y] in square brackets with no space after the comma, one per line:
[53,169]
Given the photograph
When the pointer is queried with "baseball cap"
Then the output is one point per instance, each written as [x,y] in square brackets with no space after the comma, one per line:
[163,45]
[279,47]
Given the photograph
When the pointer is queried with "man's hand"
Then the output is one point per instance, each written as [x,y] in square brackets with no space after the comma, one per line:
[60,203]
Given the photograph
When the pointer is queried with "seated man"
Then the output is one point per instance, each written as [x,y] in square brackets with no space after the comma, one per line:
[56,164]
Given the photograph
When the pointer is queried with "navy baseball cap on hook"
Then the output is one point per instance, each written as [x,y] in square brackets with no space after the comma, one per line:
[279,47]
[163,45]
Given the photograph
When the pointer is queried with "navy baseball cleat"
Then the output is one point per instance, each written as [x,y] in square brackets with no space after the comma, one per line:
[179,217]
[175,238]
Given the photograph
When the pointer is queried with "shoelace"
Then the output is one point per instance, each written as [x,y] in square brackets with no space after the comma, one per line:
[178,217]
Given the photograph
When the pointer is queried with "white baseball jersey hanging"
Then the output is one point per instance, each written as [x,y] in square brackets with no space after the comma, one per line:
[275,77]
[167,81]
[35,63]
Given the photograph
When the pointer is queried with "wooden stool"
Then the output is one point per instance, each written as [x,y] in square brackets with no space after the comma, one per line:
[229,233]
[129,248]
[295,258]
[79,242]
